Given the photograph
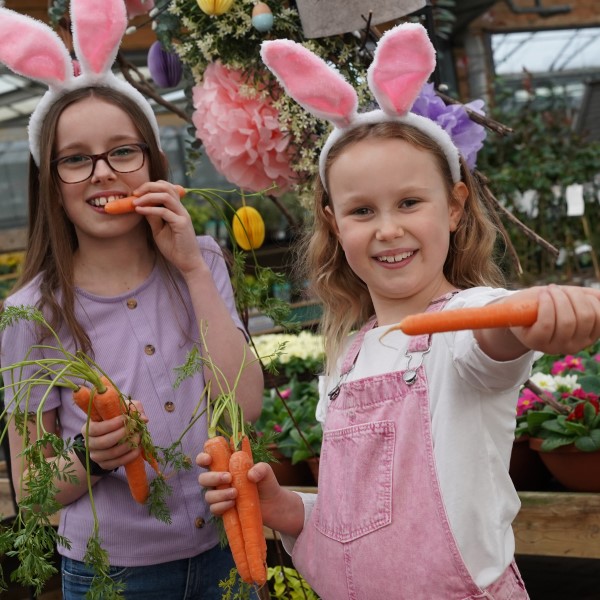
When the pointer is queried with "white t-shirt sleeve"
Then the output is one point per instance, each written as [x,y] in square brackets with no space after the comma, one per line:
[309,501]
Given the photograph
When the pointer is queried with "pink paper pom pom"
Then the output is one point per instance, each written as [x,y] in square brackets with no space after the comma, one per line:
[241,136]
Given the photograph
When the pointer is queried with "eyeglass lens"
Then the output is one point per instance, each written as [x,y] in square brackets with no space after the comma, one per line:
[122,159]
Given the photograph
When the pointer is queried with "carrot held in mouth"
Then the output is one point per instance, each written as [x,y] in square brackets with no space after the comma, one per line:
[123,206]
[508,314]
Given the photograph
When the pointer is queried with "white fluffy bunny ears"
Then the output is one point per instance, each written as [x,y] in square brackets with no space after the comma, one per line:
[403,61]
[32,49]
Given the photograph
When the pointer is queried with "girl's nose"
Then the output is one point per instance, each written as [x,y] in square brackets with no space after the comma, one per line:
[389,229]
[102,170]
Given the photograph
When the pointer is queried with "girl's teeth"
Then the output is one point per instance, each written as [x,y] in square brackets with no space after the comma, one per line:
[395,258]
[104,200]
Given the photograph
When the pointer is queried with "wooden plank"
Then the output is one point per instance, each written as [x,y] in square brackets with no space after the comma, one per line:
[558,524]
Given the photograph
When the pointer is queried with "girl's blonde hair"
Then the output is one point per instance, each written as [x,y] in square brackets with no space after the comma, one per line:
[346,300]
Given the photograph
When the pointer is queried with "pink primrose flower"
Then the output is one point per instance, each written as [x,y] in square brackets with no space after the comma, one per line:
[526,402]
[570,362]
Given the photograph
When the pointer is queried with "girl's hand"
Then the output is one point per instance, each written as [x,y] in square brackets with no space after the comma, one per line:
[568,319]
[281,509]
[105,443]
[170,223]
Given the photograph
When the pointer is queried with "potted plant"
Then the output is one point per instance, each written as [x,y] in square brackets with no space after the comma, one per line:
[288,417]
[562,417]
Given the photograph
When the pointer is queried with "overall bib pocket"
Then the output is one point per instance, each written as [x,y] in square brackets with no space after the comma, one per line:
[356,462]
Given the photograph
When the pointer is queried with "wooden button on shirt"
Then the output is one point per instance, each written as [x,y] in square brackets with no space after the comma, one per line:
[149,349]
[199,522]
[169,406]
[132,303]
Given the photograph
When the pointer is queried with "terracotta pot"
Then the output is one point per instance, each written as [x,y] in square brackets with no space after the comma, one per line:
[576,470]
[313,464]
[527,471]
[289,474]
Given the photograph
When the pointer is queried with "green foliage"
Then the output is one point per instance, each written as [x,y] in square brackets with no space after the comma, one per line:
[567,410]
[286,583]
[543,154]
[298,435]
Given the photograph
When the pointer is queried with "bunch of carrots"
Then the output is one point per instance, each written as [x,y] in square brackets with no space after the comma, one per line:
[229,447]
[102,402]
[243,523]
[31,538]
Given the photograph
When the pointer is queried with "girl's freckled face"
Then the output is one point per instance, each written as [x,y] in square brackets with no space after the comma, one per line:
[392,216]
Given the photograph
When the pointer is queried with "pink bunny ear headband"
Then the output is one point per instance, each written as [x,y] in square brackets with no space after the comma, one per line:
[403,60]
[32,49]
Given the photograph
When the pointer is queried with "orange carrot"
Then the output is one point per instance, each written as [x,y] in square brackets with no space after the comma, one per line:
[220,452]
[125,205]
[248,507]
[509,314]
[83,397]
[108,404]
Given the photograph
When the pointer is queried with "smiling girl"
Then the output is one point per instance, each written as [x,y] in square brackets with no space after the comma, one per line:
[414,497]
[131,291]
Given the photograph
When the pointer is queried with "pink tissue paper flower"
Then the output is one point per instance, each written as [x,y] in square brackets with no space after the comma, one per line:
[241,136]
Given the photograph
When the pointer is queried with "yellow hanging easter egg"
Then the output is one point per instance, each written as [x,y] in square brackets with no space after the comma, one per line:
[248,228]
[215,7]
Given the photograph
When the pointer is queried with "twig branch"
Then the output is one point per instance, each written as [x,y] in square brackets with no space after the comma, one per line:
[546,397]
[286,213]
[540,241]
[491,124]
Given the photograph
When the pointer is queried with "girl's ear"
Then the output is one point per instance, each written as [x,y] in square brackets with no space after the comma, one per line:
[456,206]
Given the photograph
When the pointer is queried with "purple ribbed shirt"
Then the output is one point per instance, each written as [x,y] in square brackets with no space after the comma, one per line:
[138,339]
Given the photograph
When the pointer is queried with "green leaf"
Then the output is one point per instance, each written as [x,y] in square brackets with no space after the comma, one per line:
[551,443]
[587,444]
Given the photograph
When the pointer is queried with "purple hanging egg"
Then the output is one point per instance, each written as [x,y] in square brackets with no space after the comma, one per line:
[165,67]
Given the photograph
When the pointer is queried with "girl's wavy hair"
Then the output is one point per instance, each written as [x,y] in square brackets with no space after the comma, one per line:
[51,237]
[346,300]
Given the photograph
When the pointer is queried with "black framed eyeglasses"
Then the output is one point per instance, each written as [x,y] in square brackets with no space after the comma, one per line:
[76,168]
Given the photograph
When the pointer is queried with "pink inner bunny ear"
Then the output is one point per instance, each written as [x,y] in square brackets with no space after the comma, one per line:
[31,49]
[316,86]
[404,59]
[98,26]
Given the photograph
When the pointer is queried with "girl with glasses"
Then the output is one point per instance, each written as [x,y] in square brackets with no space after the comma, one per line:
[131,291]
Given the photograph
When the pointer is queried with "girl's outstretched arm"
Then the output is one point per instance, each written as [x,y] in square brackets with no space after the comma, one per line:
[282,509]
[568,320]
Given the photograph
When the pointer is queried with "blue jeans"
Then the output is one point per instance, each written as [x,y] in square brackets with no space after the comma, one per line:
[195,578]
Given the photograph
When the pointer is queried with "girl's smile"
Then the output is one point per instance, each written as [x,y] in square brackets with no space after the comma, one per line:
[393,217]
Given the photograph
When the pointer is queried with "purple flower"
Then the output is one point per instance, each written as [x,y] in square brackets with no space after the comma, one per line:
[467,135]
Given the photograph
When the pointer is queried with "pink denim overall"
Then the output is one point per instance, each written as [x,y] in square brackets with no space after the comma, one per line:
[379,528]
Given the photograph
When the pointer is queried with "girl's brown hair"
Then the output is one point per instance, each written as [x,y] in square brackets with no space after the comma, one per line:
[51,238]
[346,300]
